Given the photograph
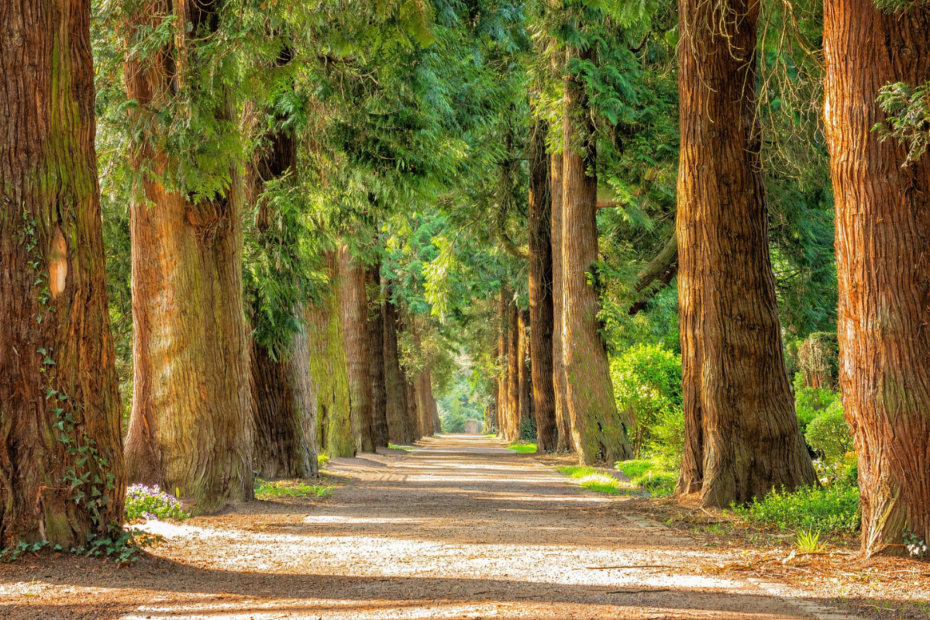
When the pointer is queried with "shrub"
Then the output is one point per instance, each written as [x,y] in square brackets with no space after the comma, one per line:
[668,438]
[322,460]
[650,474]
[144,502]
[810,402]
[829,509]
[647,387]
[829,435]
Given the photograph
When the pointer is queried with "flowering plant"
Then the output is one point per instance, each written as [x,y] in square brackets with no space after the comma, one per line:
[144,502]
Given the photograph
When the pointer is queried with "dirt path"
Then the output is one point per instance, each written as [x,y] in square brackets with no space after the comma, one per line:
[458,528]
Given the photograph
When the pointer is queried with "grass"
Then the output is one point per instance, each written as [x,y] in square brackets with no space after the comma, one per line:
[322,460]
[833,509]
[402,448]
[589,478]
[649,474]
[288,488]
[523,447]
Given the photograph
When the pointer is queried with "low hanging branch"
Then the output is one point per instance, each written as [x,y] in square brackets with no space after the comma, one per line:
[662,268]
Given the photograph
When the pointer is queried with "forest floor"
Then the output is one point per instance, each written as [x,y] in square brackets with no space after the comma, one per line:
[459,527]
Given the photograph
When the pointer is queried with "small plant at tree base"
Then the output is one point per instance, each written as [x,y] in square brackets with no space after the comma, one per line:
[264,489]
[915,546]
[523,447]
[808,541]
[832,509]
[144,502]
[322,461]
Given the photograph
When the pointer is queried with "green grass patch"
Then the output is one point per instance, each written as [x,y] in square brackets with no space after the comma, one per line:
[833,509]
[401,448]
[649,474]
[523,447]
[589,478]
[289,488]
[322,460]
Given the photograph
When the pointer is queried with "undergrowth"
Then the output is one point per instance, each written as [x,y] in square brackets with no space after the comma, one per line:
[649,474]
[143,502]
[833,509]
[589,478]
[286,488]
[523,447]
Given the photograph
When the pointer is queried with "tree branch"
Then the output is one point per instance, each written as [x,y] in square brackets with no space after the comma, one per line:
[662,268]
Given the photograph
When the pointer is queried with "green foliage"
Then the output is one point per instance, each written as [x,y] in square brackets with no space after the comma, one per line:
[651,474]
[523,447]
[833,509]
[287,488]
[808,541]
[830,436]
[589,478]
[811,402]
[322,460]
[465,399]
[907,108]
[144,502]
[647,388]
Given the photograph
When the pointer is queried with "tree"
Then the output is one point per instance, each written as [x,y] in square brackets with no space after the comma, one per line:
[60,456]
[191,426]
[742,436]
[597,431]
[541,312]
[328,369]
[882,224]
[524,391]
[399,431]
[354,308]
[562,416]
[379,424]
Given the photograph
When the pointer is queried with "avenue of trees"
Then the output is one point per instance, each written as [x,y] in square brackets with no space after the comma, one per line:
[237,235]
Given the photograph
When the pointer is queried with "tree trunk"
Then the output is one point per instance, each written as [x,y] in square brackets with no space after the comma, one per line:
[597,431]
[328,371]
[413,412]
[523,377]
[503,360]
[358,361]
[562,418]
[512,422]
[191,425]
[59,396]
[742,437]
[399,431]
[882,230]
[541,320]
[284,409]
[379,423]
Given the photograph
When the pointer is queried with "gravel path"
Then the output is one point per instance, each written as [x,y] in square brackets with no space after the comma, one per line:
[459,527]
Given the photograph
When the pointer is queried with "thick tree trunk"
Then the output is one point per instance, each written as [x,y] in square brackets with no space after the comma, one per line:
[541,319]
[284,409]
[354,302]
[597,431]
[512,422]
[413,412]
[328,371]
[882,231]
[379,423]
[399,431]
[562,418]
[191,425]
[59,396]
[742,437]
[503,359]
[525,390]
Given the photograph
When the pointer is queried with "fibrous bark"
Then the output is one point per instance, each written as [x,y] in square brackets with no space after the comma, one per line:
[541,319]
[284,409]
[742,437]
[328,371]
[503,343]
[512,422]
[562,417]
[191,425]
[524,390]
[379,423]
[59,396]
[399,430]
[354,303]
[882,231]
[597,431]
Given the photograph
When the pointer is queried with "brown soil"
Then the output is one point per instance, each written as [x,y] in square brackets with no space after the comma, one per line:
[460,527]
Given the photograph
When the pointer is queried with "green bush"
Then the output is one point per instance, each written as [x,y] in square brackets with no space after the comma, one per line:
[647,388]
[668,438]
[829,435]
[811,402]
[833,509]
